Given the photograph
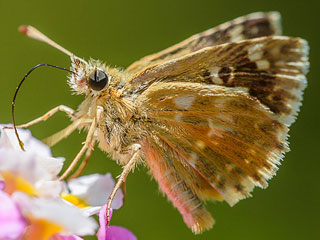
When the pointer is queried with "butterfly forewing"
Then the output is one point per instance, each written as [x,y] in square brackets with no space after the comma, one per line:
[270,69]
[247,27]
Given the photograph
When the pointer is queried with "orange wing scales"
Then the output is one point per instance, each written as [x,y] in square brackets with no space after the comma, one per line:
[226,137]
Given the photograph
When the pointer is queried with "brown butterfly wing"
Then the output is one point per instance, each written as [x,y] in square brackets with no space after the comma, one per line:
[209,135]
[209,142]
[247,27]
[270,69]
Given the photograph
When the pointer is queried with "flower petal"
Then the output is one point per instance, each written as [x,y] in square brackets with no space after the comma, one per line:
[62,237]
[41,229]
[8,139]
[119,233]
[35,149]
[112,232]
[12,224]
[23,164]
[49,188]
[58,212]
[2,185]
[34,168]
[103,223]
[95,189]
[26,167]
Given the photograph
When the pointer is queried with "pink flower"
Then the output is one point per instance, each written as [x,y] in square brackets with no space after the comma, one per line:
[12,224]
[112,232]
[30,187]
[34,204]
[8,139]
[34,171]
[61,237]
[90,192]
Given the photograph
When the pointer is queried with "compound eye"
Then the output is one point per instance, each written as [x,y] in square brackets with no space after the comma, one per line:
[98,80]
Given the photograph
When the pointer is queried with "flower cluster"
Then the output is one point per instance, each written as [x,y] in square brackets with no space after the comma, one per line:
[34,204]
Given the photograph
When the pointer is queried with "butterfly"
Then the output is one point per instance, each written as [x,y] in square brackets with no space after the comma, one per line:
[208,116]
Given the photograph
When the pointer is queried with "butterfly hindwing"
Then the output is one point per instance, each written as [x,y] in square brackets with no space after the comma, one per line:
[205,139]
[174,181]
[254,25]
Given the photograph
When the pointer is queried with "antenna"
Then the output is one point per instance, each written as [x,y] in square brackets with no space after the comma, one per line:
[17,90]
[36,34]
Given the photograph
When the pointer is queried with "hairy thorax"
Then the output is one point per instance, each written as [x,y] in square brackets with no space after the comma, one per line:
[119,126]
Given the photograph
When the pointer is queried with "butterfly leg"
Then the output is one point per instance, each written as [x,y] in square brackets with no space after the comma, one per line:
[84,162]
[69,111]
[58,136]
[88,143]
[136,148]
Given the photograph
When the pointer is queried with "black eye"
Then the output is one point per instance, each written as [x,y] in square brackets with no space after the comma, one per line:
[98,80]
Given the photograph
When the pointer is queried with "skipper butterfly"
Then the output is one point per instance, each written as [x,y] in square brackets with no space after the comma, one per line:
[209,116]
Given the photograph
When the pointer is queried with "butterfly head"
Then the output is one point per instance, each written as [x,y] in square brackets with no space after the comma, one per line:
[91,77]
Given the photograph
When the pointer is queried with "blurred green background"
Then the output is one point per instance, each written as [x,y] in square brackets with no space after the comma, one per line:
[120,32]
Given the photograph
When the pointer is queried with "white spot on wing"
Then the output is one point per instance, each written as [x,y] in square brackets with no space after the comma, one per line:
[255,56]
[178,117]
[214,74]
[263,64]
[255,52]
[211,126]
[254,30]
[184,101]
[213,130]
[243,89]
[255,48]
[193,159]
[236,33]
